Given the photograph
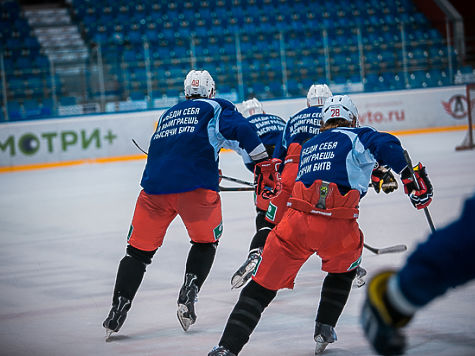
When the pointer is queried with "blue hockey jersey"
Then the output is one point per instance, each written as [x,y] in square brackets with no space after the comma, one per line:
[269,129]
[300,127]
[184,150]
[346,156]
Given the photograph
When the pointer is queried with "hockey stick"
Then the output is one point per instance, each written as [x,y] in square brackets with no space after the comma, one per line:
[236,189]
[426,210]
[231,179]
[389,249]
[223,177]
[223,189]
[140,148]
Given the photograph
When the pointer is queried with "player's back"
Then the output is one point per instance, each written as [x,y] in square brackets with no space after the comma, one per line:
[268,127]
[299,128]
[181,157]
[346,156]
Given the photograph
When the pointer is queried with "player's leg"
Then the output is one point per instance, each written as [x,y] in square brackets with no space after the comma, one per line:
[266,220]
[263,229]
[335,291]
[200,211]
[198,264]
[278,268]
[246,270]
[243,319]
[145,236]
[129,277]
[341,262]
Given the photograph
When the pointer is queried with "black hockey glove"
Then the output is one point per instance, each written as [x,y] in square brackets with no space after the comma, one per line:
[380,321]
[383,179]
[420,191]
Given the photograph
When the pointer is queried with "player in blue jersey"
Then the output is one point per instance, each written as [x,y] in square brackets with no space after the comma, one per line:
[442,262]
[334,171]
[275,185]
[181,178]
[269,128]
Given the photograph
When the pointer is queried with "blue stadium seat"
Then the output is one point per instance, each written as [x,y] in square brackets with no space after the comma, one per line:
[137,95]
[47,107]
[67,100]
[32,109]
[122,26]
[293,87]
[15,111]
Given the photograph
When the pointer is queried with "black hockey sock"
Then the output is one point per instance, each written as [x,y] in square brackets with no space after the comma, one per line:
[260,218]
[246,314]
[259,239]
[200,259]
[335,291]
[130,273]
[263,229]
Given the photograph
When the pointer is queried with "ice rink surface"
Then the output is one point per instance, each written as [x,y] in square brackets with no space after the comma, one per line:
[63,233]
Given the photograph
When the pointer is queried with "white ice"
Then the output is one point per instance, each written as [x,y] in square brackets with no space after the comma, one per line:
[63,233]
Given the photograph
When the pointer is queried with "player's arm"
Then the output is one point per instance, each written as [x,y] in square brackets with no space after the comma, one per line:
[382,179]
[233,126]
[442,262]
[387,150]
[417,185]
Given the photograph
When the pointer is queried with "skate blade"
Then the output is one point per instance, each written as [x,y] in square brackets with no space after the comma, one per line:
[185,322]
[321,344]
[358,283]
[240,279]
[237,282]
[108,334]
[320,347]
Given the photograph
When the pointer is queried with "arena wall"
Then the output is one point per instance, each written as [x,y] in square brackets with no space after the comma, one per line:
[108,137]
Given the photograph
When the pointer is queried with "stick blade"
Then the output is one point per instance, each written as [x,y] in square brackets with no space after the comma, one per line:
[391,249]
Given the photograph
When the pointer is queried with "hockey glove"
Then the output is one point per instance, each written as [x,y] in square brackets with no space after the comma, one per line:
[267,178]
[383,179]
[419,191]
[381,322]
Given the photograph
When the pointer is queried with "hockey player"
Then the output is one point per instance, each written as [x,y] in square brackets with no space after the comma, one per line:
[333,174]
[274,190]
[273,187]
[269,128]
[181,178]
[442,262]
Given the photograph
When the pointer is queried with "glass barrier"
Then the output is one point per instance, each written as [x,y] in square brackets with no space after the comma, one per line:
[140,73]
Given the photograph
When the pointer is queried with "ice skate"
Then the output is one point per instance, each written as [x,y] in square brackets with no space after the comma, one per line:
[324,335]
[220,351]
[359,279]
[186,302]
[116,316]
[244,273]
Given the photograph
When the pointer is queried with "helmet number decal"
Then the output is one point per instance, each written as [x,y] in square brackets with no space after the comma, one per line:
[335,112]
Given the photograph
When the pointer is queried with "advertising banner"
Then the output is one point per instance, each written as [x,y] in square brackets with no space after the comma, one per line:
[94,137]
[88,137]
[397,110]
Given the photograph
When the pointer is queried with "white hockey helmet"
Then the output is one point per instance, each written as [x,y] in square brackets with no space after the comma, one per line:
[199,82]
[317,94]
[339,106]
[251,107]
